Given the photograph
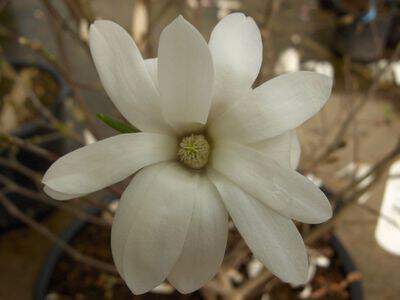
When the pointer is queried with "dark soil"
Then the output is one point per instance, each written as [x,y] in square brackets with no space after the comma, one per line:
[72,280]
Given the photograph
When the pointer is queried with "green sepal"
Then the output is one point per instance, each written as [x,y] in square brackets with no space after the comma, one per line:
[117,125]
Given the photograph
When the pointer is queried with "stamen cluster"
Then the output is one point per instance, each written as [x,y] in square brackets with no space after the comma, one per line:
[194,151]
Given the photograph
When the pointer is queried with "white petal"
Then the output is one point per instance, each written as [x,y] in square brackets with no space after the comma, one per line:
[103,163]
[185,75]
[205,242]
[277,148]
[151,66]
[282,189]
[151,224]
[279,105]
[273,239]
[284,149]
[236,48]
[59,196]
[125,78]
[295,151]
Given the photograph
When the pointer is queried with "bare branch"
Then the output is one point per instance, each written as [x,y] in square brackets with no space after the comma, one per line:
[13,187]
[72,252]
[254,285]
[63,24]
[338,139]
[38,48]
[24,144]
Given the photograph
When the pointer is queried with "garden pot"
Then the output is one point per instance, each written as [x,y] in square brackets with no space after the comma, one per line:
[31,129]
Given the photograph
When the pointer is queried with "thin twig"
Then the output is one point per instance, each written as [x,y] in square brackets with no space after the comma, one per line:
[38,48]
[56,28]
[337,140]
[377,213]
[73,10]
[63,24]
[271,8]
[85,9]
[154,20]
[72,252]
[24,144]
[20,168]
[36,177]
[373,170]
[13,187]
[44,111]
[253,285]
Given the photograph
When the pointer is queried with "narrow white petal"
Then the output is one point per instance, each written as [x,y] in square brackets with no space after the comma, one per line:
[151,66]
[279,105]
[284,149]
[151,224]
[273,239]
[282,189]
[59,196]
[98,165]
[128,207]
[295,151]
[277,148]
[236,48]
[125,78]
[185,75]
[205,242]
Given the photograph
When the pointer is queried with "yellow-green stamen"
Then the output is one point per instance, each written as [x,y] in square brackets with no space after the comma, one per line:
[194,151]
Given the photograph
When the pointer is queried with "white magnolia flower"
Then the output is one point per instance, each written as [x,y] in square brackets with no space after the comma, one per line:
[210,145]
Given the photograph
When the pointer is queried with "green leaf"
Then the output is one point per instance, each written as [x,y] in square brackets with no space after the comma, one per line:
[117,125]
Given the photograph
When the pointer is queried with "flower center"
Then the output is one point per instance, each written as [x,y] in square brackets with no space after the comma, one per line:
[194,151]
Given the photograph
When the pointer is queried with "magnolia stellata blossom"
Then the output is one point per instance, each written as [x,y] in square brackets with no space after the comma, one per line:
[210,145]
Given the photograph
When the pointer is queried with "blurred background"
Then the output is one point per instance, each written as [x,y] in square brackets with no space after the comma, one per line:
[51,93]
